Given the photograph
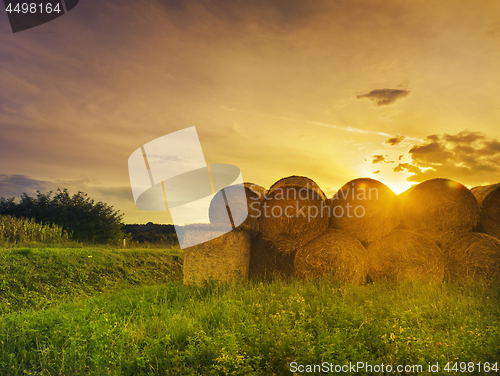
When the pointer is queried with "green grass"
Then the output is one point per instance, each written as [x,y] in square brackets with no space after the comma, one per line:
[254,329]
[38,278]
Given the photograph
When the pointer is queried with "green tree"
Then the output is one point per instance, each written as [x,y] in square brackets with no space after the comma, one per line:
[82,217]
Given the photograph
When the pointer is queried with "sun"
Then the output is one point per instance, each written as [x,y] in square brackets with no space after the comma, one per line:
[398,188]
[396,184]
[396,181]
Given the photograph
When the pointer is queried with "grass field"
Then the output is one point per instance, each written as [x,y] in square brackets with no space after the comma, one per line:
[124,312]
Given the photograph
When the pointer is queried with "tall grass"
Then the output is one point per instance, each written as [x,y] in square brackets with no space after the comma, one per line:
[20,230]
[255,329]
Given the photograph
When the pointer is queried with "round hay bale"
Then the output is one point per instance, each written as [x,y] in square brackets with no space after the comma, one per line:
[266,263]
[472,256]
[366,209]
[439,207]
[224,258]
[403,256]
[488,198]
[402,196]
[336,254]
[258,189]
[238,207]
[293,212]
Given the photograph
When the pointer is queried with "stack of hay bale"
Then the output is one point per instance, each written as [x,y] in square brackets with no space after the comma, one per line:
[446,212]
[292,214]
[364,232]
[362,211]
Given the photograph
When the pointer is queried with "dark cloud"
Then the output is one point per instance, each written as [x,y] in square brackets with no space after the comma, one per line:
[378,159]
[463,137]
[15,185]
[401,156]
[377,172]
[406,166]
[432,153]
[494,30]
[433,137]
[394,140]
[471,158]
[240,14]
[120,193]
[383,97]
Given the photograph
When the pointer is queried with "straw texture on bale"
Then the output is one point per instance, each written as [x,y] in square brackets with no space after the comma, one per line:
[218,212]
[293,212]
[473,256]
[403,256]
[488,198]
[439,207]
[336,254]
[402,196]
[366,209]
[266,263]
[224,258]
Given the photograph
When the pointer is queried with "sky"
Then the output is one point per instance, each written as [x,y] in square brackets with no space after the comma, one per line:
[398,91]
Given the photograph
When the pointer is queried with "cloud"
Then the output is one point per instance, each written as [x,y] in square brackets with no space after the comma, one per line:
[281,13]
[377,172]
[394,141]
[470,158]
[406,166]
[310,122]
[432,153]
[494,30]
[15,185]
[383,97]
[378,159]
[121,193]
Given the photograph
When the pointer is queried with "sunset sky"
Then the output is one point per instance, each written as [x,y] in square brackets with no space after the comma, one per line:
[395,90]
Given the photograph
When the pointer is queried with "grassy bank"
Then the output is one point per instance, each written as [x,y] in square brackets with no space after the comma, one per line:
[255,329]
[36,278]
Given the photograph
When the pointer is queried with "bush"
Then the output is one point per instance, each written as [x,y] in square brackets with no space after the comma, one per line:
[83,218]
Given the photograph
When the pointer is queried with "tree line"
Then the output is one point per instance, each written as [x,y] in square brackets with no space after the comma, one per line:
[83,218]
